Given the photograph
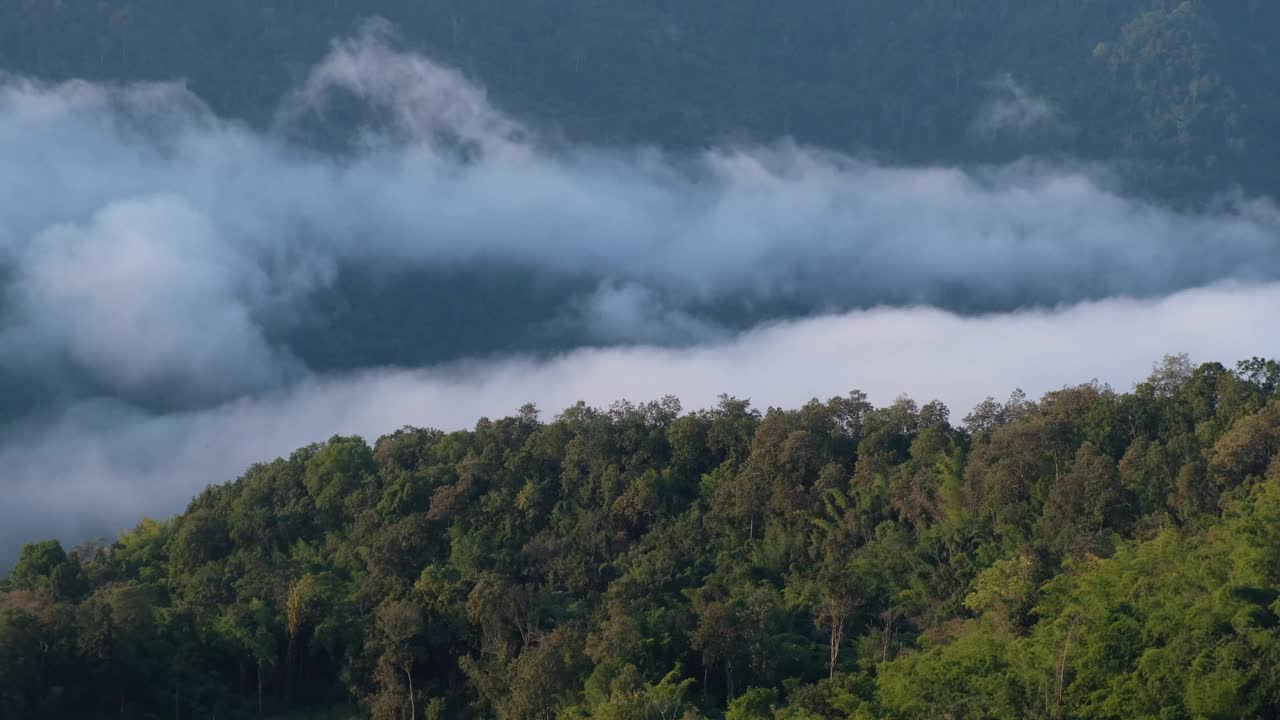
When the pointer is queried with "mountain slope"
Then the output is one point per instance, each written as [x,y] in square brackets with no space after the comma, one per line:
[1094,554]
[1184,90]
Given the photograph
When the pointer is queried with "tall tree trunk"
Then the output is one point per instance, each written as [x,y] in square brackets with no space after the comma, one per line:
[413,711]
[259,689]
[889,617]
[837,639]
[290,666]
[1062,668]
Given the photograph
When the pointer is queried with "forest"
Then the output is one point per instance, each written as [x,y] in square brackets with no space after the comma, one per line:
[1090,554]
[231,227]
[1179,92]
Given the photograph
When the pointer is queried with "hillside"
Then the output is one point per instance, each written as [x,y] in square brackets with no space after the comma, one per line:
[1093,554]
[230,229]
[1177,93]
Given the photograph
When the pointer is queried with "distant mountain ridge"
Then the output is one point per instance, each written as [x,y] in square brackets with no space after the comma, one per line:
[1179,94]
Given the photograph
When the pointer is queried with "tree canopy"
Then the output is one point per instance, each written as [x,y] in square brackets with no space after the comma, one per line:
[1091,554]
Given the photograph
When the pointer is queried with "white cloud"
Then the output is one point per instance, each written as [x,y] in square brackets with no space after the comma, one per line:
[672,246]
[120,293]
[101,467]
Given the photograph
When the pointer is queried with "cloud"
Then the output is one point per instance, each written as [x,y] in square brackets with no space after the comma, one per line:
[100,466]
[1012,109]
[631,313]
[417,99]
[118,294]
[228,235]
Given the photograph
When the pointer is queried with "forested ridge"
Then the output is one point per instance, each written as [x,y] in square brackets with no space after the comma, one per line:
[184,270]
[1092,554]
[1180,93]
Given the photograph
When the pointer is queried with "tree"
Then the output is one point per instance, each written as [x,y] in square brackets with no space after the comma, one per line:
[1170,374]
[716,637]
[45,567]
[1004,592]
[399,625]
[337,471]
[1085,503]
[253,627]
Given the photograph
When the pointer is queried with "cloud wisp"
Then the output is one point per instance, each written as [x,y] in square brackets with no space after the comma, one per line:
[1012,109]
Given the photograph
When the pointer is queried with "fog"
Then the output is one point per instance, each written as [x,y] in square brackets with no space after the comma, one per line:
[102,465]
[1011,108]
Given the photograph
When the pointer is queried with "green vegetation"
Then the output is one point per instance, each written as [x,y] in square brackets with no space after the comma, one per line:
[1091,555]
[1182,89]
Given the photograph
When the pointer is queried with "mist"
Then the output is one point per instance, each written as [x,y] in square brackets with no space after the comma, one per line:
[1012,109]
[102,465]
[184,294]
[155,250]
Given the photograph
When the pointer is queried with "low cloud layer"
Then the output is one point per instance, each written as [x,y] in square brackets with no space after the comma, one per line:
[152,249]
[101,466]
[182,295]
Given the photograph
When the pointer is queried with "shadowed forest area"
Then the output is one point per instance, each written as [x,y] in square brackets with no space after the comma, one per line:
[1179,91]
[1092,554]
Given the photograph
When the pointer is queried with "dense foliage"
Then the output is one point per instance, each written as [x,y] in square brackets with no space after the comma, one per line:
[1091,555]
[1183,88]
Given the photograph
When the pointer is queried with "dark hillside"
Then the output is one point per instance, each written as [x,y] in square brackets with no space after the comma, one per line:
[1184,90]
